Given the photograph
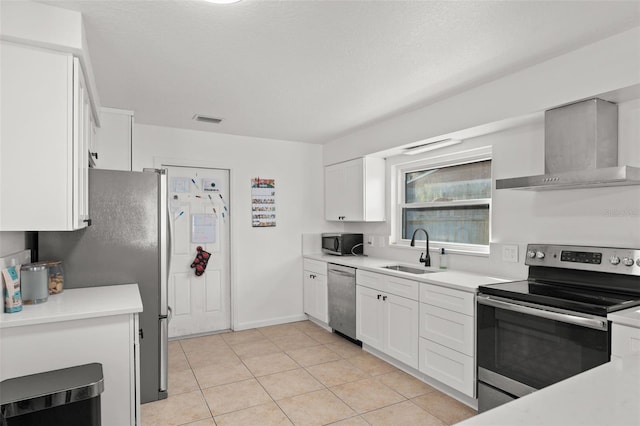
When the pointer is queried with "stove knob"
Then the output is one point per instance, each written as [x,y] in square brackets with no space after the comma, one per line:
[627,261]
[614,260]
[638,262]
[532,254]
[540,255]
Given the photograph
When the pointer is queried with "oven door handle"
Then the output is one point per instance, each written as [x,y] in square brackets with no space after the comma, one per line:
[598,324]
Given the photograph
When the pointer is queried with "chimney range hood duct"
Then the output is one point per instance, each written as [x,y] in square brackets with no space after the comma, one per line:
[580,150]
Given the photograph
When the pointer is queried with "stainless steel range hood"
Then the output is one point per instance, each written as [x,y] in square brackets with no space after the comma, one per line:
[581,150]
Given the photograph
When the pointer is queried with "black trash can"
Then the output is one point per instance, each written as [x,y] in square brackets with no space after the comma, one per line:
[66,397]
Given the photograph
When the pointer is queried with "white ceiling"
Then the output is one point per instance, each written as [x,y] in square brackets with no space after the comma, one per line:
[313,70]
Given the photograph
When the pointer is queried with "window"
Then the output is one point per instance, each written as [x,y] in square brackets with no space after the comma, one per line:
[451,200]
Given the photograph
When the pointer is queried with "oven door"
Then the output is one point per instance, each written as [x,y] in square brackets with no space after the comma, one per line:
[523,347]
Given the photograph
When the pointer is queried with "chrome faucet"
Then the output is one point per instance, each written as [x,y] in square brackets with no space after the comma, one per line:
[423,259]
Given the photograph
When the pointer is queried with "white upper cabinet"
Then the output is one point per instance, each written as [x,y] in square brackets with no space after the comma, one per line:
[114,139]
[46,129]
[355,190]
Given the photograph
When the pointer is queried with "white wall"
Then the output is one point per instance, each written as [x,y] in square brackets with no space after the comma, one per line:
[605,66]
[11,242]
[267,263]
[595,216]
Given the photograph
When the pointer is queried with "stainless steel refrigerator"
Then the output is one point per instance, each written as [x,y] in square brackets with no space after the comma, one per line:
[126,242]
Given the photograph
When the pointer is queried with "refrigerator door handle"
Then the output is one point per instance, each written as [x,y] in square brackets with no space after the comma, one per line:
[164,353]
[164,242]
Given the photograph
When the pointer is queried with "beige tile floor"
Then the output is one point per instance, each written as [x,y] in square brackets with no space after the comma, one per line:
[295,373]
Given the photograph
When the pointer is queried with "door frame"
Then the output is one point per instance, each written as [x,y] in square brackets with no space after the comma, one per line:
[159,162]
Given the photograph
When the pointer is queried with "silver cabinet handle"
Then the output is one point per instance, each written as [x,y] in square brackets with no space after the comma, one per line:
[542,312]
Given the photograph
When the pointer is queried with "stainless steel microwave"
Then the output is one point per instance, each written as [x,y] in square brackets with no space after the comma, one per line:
[342,244]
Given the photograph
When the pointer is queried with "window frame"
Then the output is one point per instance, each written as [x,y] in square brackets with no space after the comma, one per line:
[431,162]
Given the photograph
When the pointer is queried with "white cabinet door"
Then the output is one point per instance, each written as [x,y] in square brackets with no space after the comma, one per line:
[82,133]
[316,290]
[315,296]
[401,329]
[114,139]
[322,295]
[369,317]
[334,199]
[309,301]
[355,191]
[43,167]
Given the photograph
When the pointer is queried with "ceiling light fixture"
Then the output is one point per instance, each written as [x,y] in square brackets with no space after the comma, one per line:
[430,146]
[207,119]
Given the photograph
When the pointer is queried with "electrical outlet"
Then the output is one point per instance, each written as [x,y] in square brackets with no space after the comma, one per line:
[370,240]
[510,253]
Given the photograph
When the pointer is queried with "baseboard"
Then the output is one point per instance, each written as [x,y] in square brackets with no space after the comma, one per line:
[273,321]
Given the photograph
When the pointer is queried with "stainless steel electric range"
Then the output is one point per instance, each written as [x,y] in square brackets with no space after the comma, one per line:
[553,325]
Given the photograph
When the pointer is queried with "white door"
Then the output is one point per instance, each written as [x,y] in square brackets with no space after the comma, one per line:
[199,209]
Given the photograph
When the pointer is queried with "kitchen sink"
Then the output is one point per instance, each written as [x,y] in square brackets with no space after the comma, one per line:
[408,269]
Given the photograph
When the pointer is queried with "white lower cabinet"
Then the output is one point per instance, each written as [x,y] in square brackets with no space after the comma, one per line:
[447,337]
[448,366]
[625,340]
[315,290]
[388,323]
[112,341]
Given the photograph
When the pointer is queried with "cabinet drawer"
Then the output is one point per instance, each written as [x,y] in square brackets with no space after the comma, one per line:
[370,279]
[451,329]
[448,366]
[316,266]
[625,340]
[389,284]
[447,298]
[402,287]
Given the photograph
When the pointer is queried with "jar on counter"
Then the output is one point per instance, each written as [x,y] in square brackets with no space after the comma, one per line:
[55,275]
[34,283]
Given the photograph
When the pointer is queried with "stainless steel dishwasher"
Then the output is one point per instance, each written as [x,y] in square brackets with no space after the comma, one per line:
[342,299]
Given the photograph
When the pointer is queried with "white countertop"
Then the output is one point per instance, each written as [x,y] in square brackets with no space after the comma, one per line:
[78,303]
[605,395]
[459,280]
[630,317]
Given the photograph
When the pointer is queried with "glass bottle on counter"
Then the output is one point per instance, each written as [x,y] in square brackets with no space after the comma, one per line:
[444,259]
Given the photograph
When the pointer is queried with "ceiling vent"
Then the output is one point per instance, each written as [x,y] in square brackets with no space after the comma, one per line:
[207,119]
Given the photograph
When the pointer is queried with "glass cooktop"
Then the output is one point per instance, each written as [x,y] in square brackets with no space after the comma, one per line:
[562,296]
